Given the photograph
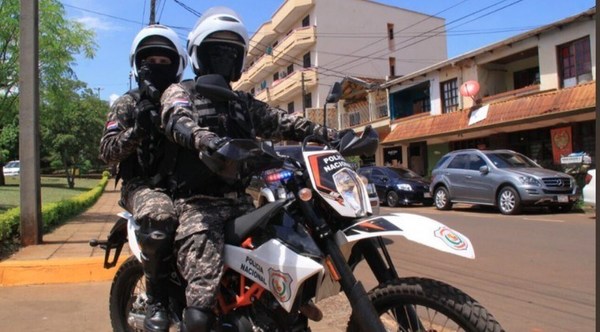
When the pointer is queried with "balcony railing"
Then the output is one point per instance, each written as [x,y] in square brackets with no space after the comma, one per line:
[296,43]
[260,69]
[284,89]
[289,13]
[360,114]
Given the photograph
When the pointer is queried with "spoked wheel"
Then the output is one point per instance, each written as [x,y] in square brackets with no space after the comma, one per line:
[509,201]
[426,305]
[128,297]
[441,198]
[392,199]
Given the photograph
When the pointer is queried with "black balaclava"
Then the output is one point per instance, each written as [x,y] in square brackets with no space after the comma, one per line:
[161,76]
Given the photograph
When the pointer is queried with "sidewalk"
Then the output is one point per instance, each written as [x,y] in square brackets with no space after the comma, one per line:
[65,255]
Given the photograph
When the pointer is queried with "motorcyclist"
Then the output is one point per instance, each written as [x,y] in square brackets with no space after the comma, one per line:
[217,45]
[133,140]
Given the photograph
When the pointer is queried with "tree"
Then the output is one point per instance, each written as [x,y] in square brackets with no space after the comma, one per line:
[72,125]
[59,41]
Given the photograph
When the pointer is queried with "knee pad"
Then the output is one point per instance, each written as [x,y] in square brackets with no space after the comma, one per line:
[197,320]
[157,249]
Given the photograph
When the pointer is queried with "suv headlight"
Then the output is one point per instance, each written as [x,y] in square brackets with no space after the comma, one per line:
[404,186]
[529,180]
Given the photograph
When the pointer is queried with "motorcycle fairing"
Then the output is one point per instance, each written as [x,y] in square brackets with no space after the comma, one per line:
[275,267]
[416,228]
[322,166]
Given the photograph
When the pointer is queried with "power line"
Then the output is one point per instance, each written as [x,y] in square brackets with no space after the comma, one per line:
[434,31]
[188,8]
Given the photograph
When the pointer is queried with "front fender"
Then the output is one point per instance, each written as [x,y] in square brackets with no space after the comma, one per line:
[132,227]
[416,228]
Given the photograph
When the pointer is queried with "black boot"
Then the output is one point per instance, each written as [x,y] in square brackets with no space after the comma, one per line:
[197,320]
[157,316]
[156,255]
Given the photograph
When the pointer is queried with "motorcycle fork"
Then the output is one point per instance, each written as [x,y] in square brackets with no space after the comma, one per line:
[368,319]
[379,260]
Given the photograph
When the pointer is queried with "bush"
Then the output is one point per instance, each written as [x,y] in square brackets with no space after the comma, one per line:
[53,214]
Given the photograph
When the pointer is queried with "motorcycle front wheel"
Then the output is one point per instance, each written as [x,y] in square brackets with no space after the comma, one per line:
[128,297]
[438,307]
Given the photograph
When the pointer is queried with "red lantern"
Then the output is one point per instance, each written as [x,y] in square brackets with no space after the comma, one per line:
[469,89]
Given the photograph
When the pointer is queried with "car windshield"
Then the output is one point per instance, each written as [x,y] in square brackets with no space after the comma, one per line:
[405,173]
[12,164]
[511,160]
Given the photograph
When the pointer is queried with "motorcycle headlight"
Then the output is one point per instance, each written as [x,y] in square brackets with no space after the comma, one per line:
[528,180]
[352,190]
[404,186]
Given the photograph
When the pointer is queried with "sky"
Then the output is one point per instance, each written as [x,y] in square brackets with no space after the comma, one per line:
[470,24]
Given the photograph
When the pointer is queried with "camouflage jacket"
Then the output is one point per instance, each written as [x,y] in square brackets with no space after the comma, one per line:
[190,120]
[137,156]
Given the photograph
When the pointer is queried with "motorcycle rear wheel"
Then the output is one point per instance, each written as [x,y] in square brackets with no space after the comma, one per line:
[128,286]
[439,307]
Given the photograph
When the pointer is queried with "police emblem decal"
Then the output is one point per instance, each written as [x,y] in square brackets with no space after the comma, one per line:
[280,284]
[450,238]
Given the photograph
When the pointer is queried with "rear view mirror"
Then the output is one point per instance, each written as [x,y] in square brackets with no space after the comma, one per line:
[335,93]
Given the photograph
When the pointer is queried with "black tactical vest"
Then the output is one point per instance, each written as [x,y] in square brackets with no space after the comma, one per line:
[226,119]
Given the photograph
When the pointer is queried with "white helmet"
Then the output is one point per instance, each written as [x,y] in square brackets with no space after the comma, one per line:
[157,36]
[218,26]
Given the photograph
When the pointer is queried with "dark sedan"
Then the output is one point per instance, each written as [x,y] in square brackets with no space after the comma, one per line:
[396,185]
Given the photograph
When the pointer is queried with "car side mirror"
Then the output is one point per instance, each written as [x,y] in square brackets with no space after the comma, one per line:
[484,169]
[385,179]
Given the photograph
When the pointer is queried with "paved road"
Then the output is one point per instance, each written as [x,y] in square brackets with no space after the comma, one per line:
[534,272]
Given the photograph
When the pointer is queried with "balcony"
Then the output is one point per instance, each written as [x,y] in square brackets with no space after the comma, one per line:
[290,86]
[262,38]
[289,13]
[264,95]
[260,69]
[359,114]
[295,44]
[243,84]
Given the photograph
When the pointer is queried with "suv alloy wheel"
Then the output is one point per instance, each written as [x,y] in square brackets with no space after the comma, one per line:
[442,199]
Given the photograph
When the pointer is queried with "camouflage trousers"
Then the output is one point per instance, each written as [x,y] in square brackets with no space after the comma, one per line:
[153,208]
[199,242]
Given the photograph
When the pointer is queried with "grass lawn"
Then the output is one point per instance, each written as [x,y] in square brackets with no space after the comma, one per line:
[53,189]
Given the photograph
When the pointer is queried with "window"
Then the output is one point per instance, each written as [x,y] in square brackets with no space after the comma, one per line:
[290,69]
[574,61]
[476,162]
[392,66]
[306,21]
[390,29]
[460,161]
[290,107]
[449,91]
[308,100]
[275,77]
[306,60]
[252,91]
[263,84]
[354,118]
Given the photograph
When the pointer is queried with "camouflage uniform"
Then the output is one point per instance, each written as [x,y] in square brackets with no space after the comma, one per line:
[138,162]
[202,202]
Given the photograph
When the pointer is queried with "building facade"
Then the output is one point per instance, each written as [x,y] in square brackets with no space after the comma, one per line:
[537,96]
[294,59]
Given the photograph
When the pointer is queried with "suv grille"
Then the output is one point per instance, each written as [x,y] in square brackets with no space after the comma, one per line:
[557,182]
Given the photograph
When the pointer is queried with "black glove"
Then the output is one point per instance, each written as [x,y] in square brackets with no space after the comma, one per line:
[143,116]
[216,142]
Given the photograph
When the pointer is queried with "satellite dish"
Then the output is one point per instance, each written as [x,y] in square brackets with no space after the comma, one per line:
[469,89]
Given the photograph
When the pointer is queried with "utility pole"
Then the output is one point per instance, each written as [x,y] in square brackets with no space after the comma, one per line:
[29,126]
[303,95]
[152,11]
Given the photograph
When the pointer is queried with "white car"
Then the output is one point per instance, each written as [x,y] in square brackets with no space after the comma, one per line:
[589,190]
[12,168]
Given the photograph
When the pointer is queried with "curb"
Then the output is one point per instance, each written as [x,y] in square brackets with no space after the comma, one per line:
[55,271]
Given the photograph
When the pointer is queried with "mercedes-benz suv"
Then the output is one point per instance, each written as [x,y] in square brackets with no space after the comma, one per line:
[502,178]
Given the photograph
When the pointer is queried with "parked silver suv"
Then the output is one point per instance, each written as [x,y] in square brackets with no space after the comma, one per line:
[502,178]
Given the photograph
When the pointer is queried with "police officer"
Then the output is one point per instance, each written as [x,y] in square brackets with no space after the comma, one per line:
[217,45]
[132,139]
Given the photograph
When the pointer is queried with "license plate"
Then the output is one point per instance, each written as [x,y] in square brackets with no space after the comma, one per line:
[426,195]
[563,198]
